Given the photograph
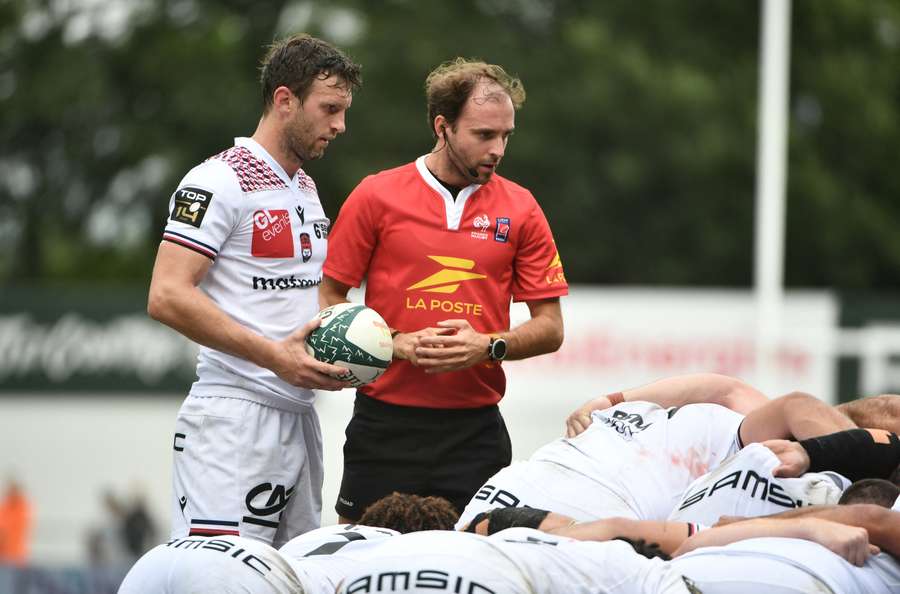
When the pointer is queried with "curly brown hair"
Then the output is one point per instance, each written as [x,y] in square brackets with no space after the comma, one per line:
[449,86]
[296,61]
[410,513]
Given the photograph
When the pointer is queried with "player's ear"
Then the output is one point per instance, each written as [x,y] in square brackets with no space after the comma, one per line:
[282,99]
[440,126]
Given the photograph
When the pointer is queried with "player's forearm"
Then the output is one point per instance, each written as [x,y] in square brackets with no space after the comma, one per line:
[806,416]
[882,524]
[540,335]
[878,412]
[332,292]
[700,388]
[668,536]
[192,313]
[755,528]
[793,416]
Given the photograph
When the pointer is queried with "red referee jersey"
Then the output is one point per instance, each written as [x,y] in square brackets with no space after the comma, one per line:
[428,257]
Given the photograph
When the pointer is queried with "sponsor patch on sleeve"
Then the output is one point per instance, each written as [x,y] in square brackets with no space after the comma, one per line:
[190,205]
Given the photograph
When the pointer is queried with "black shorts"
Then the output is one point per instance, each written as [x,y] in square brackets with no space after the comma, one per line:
[423,451]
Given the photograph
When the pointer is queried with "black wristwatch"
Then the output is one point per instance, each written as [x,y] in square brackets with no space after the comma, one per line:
[497,349]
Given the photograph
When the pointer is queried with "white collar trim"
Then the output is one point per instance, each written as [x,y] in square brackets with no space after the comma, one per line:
[453,208]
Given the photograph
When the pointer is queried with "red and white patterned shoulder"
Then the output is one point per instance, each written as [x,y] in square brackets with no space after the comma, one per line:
[306,182]
[254,174]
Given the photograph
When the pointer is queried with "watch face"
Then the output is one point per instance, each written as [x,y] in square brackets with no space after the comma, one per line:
[498,349]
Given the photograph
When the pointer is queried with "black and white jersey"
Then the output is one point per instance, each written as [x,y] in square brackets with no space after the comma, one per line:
[266,234]
[514,561]
[744,485]
[323,557]
[212,565]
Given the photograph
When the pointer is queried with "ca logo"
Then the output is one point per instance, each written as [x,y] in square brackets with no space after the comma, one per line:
[278,498]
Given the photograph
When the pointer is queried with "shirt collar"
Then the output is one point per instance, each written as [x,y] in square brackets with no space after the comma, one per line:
[261,153]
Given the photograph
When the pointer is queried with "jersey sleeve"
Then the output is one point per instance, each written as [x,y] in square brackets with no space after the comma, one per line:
[538,268]
[353,238]
[204,210]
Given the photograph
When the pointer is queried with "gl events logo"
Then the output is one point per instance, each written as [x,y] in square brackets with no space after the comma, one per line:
[447,280]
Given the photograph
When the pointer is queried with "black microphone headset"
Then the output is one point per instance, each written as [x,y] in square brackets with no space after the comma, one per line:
[473,173]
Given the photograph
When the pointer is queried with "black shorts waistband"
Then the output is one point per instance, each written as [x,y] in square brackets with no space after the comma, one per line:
[367,404]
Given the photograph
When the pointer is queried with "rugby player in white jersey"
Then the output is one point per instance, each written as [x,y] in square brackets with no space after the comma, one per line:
[513,561]
[745,485]
[323,557]
[769,478]
[779,563]
[212,565]
[238,272]
[312,563]
[524,560]
[837,548]
[636,459]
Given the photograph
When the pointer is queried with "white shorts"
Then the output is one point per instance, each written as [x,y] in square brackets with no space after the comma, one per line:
[537,483]
[245,469]
[211,565]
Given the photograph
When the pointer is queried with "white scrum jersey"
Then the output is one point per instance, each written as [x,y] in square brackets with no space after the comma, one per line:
[266,235]
[745,486]
[212,565]
[513,561]
[785,565]
[322,558]
[634,460]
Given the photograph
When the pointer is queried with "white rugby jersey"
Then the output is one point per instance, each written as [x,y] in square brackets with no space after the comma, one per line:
[266,234]
[745,486]
[514,561]
[645,454]
[879,575]
[211,565]
[557,565]
[322,558]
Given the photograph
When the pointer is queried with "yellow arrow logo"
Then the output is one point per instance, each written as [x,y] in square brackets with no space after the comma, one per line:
[448,279]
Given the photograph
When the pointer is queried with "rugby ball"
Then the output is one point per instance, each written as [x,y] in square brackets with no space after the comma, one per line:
[355,337]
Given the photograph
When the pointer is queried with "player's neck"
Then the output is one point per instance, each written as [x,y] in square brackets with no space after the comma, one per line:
[444,170]
[269,137]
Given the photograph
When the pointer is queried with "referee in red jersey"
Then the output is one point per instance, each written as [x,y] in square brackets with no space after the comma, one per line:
[444,244]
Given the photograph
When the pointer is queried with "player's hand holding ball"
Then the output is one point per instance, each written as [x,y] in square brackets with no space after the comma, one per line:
[354,337]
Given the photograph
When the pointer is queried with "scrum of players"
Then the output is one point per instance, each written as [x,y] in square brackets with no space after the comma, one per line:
[691,484]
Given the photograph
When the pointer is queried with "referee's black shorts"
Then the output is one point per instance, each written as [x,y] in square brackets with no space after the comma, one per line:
[423,451]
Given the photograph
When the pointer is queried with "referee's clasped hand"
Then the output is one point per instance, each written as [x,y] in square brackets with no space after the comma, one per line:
[455,346]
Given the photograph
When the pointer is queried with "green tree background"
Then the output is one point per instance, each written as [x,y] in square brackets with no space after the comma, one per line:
[638,135]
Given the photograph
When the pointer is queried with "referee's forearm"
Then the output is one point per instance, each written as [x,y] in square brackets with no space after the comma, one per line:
[537,336]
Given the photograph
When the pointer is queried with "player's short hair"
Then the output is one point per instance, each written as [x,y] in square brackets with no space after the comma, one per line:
[295,62]
[448,87]
[410,513]
[876,491]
